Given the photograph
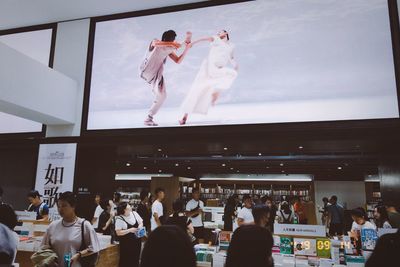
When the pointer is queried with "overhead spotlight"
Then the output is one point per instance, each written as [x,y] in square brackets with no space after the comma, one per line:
[237,171]
[231,168]
[159,170]
[128,164]
[301,147]
[281,164]
[259,154]
[176,164]
[339,168]
[159,150]
[189,167]
[267,167]
[144,168]
[283,171]
[223,164]
[225,148]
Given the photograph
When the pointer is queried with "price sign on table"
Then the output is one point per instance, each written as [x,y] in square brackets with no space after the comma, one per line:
[323,248]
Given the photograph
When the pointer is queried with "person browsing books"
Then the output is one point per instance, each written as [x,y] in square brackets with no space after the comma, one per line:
[194,210]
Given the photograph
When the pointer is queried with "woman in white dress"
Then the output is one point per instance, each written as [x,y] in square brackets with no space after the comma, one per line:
[213,77]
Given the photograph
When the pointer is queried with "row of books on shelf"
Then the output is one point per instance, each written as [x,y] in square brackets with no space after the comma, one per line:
[263,192]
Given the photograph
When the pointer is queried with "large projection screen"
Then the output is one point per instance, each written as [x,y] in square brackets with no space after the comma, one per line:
[37,45]
[285,61]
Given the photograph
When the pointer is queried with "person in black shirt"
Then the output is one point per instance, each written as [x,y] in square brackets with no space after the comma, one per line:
[179,218]
[143,209]
[230,212]
[105,218]
[267,200]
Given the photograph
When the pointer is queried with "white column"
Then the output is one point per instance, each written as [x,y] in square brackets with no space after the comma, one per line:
[70,59]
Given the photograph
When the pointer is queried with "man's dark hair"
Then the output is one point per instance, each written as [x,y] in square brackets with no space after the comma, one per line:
[68,197]
[34,194]
[8,216]
[259,211]
[143,195]
[251,245]
[172,246]
[359,213]
[246,197]
[334,198]
[168,36]
[105,203]
[158,190]
[386,251]
[177,206]
[195,190]
[325,199]
[117,196]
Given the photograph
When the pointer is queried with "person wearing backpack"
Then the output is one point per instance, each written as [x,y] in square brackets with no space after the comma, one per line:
[127,226]
[73,239]
[38,206]
[285,214]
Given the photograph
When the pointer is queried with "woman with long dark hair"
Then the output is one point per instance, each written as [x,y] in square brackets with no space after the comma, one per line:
[381,217]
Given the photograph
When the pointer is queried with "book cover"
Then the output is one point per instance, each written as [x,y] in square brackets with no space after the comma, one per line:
[286,245]
[368,239]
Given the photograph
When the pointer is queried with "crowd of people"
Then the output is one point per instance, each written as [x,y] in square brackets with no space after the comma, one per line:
[170,237]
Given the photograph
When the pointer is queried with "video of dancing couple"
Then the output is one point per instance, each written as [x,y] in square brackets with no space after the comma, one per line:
[252,62]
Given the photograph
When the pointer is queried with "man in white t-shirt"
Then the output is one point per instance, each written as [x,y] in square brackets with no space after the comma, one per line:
[97,212]
[245,215]
[194,210]
[157,210]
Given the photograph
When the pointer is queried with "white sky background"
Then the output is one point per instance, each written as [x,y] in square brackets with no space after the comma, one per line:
[35,44]
[287,50]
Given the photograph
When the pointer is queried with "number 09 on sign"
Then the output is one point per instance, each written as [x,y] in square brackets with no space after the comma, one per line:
[323,247]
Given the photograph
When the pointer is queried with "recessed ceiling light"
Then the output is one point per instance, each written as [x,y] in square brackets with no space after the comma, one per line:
[267,167]
[189,167]
[159,170]
[176,164]
[283,171]
[281,164]
[144,168]
[237,171]
[259,154]
[225,148]
[159,149]
[223,164]
[339,168]
[231,168]
[300,147]
[128,164]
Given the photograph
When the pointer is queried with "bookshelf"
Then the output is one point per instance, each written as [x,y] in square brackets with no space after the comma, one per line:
[373,197]
[279,191]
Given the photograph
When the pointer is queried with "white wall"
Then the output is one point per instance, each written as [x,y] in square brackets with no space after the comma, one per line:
[351,194]
[70,59]
[32,90]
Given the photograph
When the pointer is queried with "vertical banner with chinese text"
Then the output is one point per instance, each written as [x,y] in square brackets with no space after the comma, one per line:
[55,171]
